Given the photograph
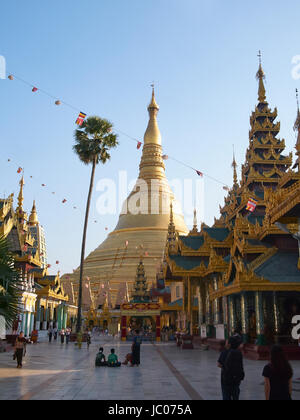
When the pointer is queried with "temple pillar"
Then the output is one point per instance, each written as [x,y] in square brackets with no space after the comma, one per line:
[59,317]
[190,306]
[216,312]
[65,316]
[276,315]
[225,315]
[259,319]
[38,315]
[208,317]
[123,328]
[200,310]
[158,328]
[45,318]
[232,324]
[245,318]
[31,325]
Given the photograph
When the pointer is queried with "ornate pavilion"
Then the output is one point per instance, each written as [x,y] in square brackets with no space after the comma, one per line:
[243,272]
[43,301]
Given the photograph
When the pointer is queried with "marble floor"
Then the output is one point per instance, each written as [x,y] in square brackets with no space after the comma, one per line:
[60,372]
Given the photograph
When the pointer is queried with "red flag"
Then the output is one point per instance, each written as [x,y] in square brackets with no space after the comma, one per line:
[57,262]
[64,201]
[251,205]
[49,265]
[139,145]
[199,173]
[43,185]
[34,89]
[25,248]
[19,170]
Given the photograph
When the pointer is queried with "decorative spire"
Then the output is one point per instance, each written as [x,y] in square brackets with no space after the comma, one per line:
[152,135]
[171,232]
[33,219]
[21,196]
[260,76]
[297,129]
[195,223]
[234,166]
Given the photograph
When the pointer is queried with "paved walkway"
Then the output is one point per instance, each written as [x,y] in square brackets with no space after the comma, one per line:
[54,371]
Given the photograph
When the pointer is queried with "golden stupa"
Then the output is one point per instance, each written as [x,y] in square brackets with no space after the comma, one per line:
[142,234]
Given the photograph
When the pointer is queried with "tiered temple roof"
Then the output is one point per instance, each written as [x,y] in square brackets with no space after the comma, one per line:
[246,249]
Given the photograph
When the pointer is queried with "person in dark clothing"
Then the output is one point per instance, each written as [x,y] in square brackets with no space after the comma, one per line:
[278,376]
[100,358]
[136,349]
[20,349]
[221,364]
[233,371]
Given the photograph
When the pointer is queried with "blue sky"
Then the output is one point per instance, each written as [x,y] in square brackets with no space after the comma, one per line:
[102,56]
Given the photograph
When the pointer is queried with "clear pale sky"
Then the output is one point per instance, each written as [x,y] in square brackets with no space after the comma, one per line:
[102,56]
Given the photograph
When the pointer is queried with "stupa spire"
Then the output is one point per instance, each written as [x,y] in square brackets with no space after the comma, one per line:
[152,134]
[260,75]
[234,166]
[33,218]
[195,223]
[21,196]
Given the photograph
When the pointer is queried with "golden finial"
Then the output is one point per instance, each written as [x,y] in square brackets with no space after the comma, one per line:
[234,166]
[33,219]
[152,134]
[153,104]
[21,195]
[260,76]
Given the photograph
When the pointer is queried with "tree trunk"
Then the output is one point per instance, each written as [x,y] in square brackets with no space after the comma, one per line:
[78,326]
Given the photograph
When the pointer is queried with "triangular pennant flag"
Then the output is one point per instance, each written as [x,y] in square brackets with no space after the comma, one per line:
[199,173]
[139,145]
[19,170]
[34,89]
[64,201]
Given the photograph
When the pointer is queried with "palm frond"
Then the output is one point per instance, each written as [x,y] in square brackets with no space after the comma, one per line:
[94,139]
[10,283]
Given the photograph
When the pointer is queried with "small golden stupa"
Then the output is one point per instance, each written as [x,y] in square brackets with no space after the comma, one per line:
[146,232]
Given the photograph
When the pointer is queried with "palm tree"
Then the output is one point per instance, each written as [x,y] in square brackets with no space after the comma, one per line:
[10,283]
[93,141]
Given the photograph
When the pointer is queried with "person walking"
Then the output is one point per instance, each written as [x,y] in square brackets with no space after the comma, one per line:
[88,339]
[68,334]
[20,349]
[50,334]
[62,336]
[278,376]
[55,331]
[221,364]
[136,349]
[233,371]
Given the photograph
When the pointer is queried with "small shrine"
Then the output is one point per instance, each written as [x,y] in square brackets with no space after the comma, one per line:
[141,313]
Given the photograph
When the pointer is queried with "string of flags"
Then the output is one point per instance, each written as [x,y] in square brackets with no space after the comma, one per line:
[82,116]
